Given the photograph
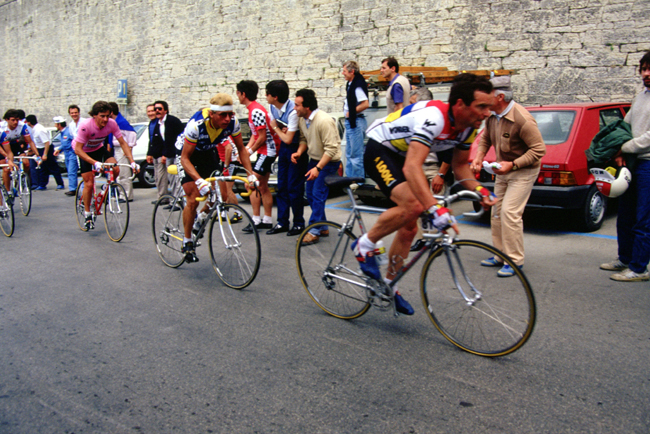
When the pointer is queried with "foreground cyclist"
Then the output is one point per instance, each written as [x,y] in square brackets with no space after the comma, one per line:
[89,146]
[397,148]
[207,128]
[20,141]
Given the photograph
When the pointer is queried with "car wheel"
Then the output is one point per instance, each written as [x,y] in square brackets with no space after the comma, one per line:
[146,177]
[592,214]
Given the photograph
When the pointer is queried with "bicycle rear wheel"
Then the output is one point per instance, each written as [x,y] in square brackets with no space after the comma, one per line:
[25,195]
[501,317]
[116,212]
[168,231]
[236,255]
[6,213]
[330,273]
[79,207]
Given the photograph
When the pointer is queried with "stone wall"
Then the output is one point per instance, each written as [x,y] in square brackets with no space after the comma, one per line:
[73,51]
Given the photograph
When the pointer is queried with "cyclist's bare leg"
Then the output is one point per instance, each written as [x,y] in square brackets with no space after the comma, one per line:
[6,176]
[399,249]
[116,169]
[189,212]
[407,211]
[89,184]
[266,198]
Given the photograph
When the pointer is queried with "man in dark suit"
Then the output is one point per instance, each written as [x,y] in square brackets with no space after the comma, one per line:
[163,132]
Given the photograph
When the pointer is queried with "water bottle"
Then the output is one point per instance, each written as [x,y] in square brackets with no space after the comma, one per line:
[199,221]
[380,253]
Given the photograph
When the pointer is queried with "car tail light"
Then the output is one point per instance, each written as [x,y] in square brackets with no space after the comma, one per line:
[556,178]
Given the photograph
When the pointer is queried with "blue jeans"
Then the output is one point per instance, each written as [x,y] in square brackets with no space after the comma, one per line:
[317,193]
[72,165]
[354,148]
[633,223]
[291,186]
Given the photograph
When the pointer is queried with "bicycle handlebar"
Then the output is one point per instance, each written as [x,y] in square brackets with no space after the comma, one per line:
[473,196]
[223,179]
[131,178]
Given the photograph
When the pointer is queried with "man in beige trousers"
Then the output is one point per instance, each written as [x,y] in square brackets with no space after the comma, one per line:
[519,147]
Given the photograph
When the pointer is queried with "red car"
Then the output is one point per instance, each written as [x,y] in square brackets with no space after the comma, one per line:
[564,181]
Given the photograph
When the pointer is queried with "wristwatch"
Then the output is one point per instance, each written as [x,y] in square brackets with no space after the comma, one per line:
[442,175]
[514,167]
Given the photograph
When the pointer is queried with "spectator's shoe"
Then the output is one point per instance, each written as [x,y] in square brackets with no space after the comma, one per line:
[70,193]
[277,229]
[325,233]
[310,239]
[60,187]
[90,223]
[403,306]
[615,265]
[249,228]
[295,230]
[417,245]
[507,270]
[492,262]
[189,252]
[40,188]
[368,263]
[261,225]
[628,275]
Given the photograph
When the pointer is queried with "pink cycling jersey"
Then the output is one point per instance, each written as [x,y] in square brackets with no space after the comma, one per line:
[93,137]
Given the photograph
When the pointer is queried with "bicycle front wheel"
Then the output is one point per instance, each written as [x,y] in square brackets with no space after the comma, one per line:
[471,306]
[6,214]
[25,196]
[330,273]
[116,212]
[168,230]
[236,255]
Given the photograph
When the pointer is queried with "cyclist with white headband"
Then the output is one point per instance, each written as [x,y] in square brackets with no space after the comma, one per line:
[199,158]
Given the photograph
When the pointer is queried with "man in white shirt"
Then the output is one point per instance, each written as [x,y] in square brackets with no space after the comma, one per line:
[49,167]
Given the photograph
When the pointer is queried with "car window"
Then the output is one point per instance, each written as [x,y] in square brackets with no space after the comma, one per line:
[139,130]
[555,126]
[607,116]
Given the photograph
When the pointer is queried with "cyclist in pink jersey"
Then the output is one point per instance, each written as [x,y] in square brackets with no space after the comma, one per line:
[89,146]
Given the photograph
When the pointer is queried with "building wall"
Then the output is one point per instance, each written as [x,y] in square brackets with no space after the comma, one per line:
[55,53]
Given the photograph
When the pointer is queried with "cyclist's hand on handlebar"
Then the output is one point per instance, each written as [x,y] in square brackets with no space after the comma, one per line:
[253,183]
[440,218]
[97,167]
[489,198]
[203,186]
[136,167]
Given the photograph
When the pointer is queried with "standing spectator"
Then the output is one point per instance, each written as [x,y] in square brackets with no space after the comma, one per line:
[265,142]
[130,136]
[71,162]
[48,167]
[319,136]
[356,101]
[163,132]
[291,176]
[519,147]
[633,222]
[399,87]
[151,112]
[73,111]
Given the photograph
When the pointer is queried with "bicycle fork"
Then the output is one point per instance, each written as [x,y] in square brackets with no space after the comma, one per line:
[454,262]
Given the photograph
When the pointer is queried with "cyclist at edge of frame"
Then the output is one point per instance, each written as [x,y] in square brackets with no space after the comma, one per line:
[6,157]
[205,130]
[395,153]
[20,142]
[89,146]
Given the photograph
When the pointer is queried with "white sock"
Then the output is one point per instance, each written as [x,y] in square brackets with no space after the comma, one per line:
[387,281]
[87,214]
[186,240]
[365,245]
[257,219]
[267,219]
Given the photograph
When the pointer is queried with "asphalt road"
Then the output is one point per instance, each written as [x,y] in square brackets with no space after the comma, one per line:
[102,337]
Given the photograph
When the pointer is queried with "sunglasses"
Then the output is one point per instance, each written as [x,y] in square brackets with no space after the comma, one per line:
[158,109]
[225,114]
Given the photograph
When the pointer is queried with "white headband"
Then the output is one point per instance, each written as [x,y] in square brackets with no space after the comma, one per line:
[221,108]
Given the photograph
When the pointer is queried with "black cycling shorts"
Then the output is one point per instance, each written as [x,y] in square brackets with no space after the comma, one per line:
[98,155]
[205,162]
[18,146]
[383,166]
[263,165]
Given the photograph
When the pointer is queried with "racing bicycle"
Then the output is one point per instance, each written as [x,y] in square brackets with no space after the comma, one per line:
[6,212]
[112,197]
[468,303]
[235,255]
[20,185]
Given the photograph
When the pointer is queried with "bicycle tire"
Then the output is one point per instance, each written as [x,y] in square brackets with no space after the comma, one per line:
[116,213]
[335,296]
[168,231]
[498,323]
[6,213]
[25,194]
[236,255]
[79,207]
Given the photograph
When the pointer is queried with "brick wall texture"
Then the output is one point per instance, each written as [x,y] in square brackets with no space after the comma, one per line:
[55,53]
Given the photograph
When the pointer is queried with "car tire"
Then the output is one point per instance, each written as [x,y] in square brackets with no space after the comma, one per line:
[590,217]
[146,177]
